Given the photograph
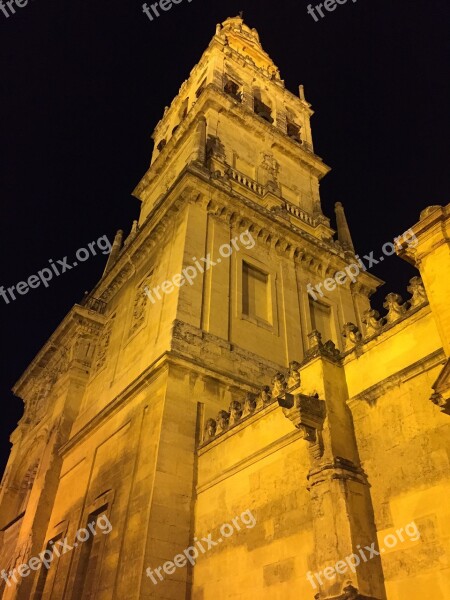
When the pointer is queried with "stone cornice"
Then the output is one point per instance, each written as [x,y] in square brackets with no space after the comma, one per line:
[318,256]
[185,335]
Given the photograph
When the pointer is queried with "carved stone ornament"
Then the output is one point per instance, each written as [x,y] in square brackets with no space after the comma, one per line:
[294,375]
[210,429]
[352,336]
[140,304]
[264,397]
[83,349]
[269,164]
[417,291]
[349,592]
[279,385]
[235,412]
[318,348]
[103,344]
[250,405]
[395,307]
[223,421]
[308,414]
[373,323]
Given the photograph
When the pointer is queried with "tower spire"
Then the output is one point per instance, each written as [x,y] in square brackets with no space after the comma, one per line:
[343,230]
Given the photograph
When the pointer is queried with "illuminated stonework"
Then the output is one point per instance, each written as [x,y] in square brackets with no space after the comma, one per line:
[328,421]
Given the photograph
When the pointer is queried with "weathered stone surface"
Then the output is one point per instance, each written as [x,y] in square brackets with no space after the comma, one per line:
[303,424]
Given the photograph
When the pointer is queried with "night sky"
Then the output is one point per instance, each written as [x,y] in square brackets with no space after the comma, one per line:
[82,85]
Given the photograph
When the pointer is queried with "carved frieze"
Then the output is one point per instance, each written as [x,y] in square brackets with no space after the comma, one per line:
[141,301]
[103,344]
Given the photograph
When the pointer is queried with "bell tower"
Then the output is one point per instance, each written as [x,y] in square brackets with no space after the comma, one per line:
[245,142]
[199,307]
[258,134]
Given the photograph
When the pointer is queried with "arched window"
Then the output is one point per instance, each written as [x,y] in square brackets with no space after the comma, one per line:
[293,131]
[200,89]
[233,89]
[261,108]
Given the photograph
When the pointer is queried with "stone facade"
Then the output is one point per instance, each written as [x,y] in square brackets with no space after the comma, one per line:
[238,392]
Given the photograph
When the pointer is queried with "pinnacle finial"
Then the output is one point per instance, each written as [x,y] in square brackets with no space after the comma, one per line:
[114,253]
[343,230]
[241,14]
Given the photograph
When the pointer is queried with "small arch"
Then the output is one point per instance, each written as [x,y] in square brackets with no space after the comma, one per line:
[233,89]
[261,106]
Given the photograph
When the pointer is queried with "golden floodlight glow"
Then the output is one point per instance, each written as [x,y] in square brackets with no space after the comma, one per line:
[239,437]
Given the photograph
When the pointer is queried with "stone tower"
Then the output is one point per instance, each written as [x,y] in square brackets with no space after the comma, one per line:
[199,380]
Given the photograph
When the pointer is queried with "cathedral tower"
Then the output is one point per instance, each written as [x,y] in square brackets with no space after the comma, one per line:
[159,404]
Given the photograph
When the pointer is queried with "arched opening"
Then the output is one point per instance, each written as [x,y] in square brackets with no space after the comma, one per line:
[261,106]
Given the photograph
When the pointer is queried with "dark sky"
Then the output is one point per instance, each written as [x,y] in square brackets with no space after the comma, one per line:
[83,83]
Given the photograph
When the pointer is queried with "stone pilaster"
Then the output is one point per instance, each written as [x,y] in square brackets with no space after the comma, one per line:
[343,519]
[199,152]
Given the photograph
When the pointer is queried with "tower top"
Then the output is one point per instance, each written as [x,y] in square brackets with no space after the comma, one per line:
[234,118]
[245,41]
